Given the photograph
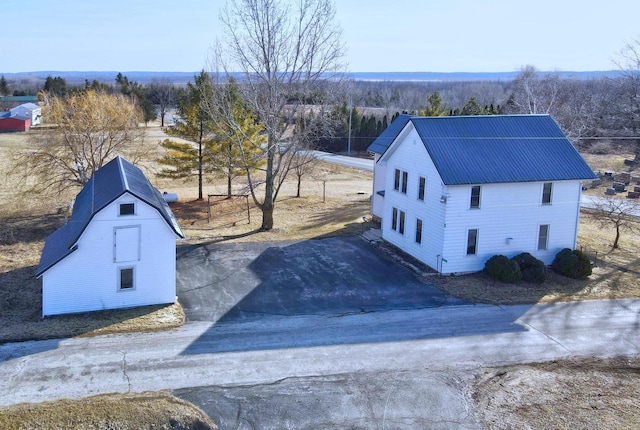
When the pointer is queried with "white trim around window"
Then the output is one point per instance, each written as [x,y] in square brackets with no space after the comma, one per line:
[126,278]
[543,237]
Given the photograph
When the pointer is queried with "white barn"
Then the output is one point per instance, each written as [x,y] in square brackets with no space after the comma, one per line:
[118,249]
[28,110]
[454,191]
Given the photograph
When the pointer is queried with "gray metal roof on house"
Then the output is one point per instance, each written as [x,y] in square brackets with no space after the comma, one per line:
[106,185]
[383,141]
[500,148]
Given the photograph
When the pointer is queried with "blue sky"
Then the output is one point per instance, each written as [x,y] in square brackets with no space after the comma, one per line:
[380,35]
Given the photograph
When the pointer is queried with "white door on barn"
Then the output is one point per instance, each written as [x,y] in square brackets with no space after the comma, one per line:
[126,244]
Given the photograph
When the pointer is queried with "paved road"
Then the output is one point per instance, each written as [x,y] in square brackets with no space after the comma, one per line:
[631,207]
[440,344]
[343,160]
[587,201]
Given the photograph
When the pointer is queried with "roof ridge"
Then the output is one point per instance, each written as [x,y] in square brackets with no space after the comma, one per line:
[123,174]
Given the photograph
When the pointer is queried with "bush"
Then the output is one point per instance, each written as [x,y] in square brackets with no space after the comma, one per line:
[503,269]
[572,264]
[533,270]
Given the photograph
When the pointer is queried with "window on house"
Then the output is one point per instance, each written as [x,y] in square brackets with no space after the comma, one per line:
[401,223]
[543,236]
[394,219]
[126,278]
[475,197]
[396,183]
[472,241]
[546,193]
[405,178]
[418,231]
[421,186]
[127,209]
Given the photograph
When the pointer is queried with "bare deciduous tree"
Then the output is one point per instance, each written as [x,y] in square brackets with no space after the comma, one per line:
[285,50]
[533,94]
[161,92]
[87,130]
[620,213]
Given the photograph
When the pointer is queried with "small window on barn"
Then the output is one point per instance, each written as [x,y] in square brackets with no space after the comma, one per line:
[127,209]
[126,279]
[401,223]
[396,180]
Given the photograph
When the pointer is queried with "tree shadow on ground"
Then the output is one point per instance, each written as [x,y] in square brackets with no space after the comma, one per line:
[337,290]
[29,228]
[345,214]
[21,311]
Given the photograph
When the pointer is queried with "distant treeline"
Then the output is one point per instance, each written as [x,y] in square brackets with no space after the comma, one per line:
[586,105]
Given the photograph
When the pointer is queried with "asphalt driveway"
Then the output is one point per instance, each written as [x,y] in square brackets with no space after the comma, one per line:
[341,275]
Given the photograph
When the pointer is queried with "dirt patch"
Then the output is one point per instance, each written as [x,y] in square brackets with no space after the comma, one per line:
[122,411]
[572,394]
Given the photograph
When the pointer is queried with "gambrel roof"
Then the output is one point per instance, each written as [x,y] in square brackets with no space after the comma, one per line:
[105,186]
[497,149]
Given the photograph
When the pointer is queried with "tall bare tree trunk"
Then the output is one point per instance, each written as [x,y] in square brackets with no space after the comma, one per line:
[200,161]
[267,205]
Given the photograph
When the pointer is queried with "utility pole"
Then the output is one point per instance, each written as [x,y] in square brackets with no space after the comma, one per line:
[350,115]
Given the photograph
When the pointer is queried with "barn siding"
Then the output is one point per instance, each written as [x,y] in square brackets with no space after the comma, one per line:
[87,279]
[14,124]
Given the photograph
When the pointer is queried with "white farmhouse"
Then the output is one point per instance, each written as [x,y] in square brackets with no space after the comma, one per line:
[118,249]
[454,191]
[29,110]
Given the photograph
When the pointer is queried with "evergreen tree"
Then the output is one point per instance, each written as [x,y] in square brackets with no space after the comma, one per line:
[184,159]
[434,107]
[4,86]
[472,108]
[56,86]
[236,145]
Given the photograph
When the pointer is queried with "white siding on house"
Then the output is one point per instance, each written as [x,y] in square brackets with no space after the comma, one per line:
[377,201]
[88,278]
[508,222]
[413,158]
[508,219]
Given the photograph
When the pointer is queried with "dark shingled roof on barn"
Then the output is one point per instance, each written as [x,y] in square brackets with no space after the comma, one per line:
[105,186]
[499,148]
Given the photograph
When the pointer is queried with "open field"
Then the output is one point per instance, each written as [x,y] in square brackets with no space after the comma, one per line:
[504,395]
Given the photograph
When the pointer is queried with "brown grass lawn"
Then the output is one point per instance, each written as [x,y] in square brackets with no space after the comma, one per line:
[122,411]
[26,220]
